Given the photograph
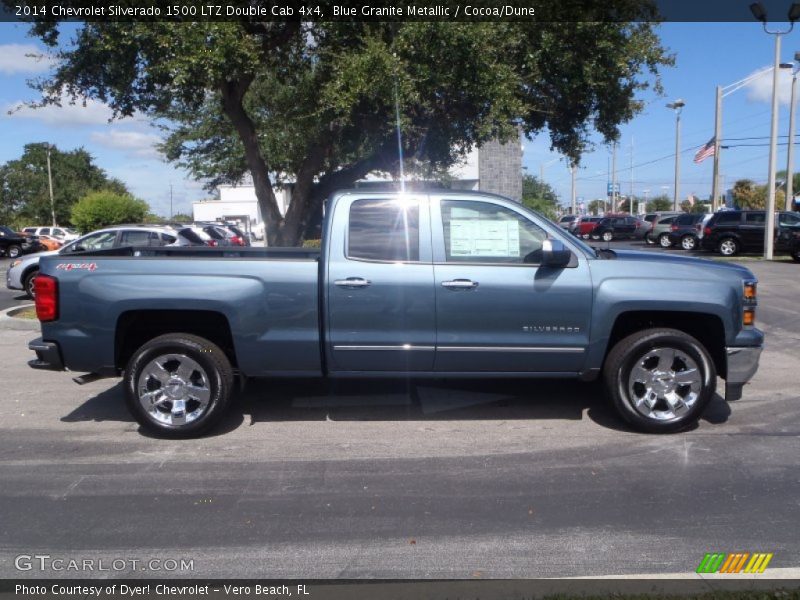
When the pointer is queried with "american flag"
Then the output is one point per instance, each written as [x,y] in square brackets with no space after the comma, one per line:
[705,151]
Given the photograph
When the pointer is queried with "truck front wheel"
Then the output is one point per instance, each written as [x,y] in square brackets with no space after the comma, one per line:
[178,385]
[660,380]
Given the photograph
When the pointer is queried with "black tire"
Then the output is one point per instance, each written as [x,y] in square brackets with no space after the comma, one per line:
[27,284]
[728,246]
[217,378]
[688,242]
[795,253]
[627,354]
[648,240]
[13,251]
[664,241]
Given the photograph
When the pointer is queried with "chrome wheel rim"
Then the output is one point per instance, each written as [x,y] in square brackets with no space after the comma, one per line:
[664,384]
[607,236]
[728,247]
[32,287]
[174,389]
[13,252]
[688,243]
[665,243]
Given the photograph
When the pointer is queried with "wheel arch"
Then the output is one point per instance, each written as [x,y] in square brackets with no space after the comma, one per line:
[137,327]
[706,328]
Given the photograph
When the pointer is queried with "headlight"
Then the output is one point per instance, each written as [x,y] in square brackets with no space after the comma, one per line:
[15,263]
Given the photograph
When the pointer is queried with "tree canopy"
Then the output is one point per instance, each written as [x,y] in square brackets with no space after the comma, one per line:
[312,104]
[24,187]
[104,208]
[539,196]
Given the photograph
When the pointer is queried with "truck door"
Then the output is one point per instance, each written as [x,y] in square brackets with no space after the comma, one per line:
[497,309]
[379,282]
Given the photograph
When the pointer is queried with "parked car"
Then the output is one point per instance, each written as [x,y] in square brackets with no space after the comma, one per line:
[567,220]
[659,231]
[64,234]
[13,244]
[734,231]
[49,243]
[610,228]
[585,226]
[683,231]
[224,234]
[401,287]
[21,273]
[794,246]
[652,218]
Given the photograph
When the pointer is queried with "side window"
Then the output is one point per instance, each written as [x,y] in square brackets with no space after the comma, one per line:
[728,218]
[98,241]
[757,218]
[789,220]
[168,239]
[134,238]
[487,233]
[385,230]
[44,231]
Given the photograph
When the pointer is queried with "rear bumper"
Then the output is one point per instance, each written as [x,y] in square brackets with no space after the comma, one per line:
[742,364]
[48,356]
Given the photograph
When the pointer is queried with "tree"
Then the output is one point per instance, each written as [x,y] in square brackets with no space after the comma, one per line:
[312,104]
[658,203]
[24,188]
[181,218]
[597,206]
[104,208]
[748,195]
[539,196]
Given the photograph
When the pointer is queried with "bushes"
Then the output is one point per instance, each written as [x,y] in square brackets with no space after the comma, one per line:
[104,208]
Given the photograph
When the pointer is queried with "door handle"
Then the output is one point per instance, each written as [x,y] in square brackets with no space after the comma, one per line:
[352,282]
[460,284]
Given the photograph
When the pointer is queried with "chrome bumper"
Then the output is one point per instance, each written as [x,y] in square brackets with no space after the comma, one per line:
[742,365]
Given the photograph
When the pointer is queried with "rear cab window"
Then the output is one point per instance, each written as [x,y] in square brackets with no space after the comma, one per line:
[384,229]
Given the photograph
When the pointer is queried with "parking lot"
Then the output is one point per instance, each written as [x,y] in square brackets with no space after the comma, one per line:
[490,479]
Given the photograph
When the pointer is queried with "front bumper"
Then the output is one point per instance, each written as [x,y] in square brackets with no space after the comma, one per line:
[48,356]
[742,364]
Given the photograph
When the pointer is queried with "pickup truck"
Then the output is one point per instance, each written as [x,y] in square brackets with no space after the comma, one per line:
[436,284]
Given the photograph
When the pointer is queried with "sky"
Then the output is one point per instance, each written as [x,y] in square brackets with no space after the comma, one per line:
[707,55]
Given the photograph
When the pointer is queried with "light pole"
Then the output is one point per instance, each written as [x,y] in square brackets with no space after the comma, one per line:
[572,172]
[760,13]
[50,183]
[790,150]
[677,106]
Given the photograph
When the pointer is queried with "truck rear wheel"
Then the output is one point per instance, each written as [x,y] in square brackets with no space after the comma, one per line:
[660,380]
[178,385]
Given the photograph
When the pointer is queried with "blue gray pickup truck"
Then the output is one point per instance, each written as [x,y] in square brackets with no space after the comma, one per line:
[445,285]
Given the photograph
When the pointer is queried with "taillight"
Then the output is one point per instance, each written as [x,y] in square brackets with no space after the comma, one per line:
[237,240]
[674,227]
[211,243]
[707,231]
[46,291]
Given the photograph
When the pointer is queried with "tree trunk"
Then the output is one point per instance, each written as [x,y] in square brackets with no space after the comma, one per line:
[232,103]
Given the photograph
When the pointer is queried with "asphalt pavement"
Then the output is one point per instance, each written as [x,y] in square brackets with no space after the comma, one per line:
[402,479]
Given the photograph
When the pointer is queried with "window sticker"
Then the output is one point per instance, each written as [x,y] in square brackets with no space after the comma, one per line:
[484,237]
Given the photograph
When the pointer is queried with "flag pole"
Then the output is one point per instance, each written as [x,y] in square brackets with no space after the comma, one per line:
[715,191]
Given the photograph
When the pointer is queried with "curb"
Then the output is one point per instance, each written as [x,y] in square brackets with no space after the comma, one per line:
[9,322]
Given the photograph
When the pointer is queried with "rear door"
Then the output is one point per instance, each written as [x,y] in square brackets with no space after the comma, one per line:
[497,309]
[381,313]
[752,229]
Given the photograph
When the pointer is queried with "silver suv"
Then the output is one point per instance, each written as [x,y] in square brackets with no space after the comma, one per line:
[21,272]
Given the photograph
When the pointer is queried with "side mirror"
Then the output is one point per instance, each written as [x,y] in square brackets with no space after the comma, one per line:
[555,254]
